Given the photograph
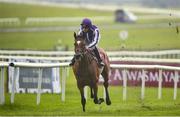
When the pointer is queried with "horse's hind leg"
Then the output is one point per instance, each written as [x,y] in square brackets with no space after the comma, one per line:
[83,100]
[108,101]
[105,75]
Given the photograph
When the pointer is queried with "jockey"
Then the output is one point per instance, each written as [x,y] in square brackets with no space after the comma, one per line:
[92,36]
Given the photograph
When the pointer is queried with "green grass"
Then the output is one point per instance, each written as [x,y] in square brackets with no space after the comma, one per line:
[24,11]
[138,39]
[36,41]
[51,104]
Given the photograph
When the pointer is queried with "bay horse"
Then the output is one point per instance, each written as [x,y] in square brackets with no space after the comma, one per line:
[87,72]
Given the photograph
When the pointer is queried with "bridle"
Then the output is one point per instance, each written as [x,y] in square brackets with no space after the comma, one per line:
[79,53]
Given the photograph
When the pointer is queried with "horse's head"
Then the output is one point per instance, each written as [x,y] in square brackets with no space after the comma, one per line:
[79,45]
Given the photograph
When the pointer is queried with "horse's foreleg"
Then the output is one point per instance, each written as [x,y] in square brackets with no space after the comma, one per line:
[96,100]
[83,100]
[95,88]
[92,94]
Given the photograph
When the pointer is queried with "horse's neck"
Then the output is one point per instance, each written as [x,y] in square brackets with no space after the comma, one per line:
[86,67]
[88,58]
[85,61]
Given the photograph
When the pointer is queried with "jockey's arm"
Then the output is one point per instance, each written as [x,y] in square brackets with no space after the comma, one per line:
[95,40]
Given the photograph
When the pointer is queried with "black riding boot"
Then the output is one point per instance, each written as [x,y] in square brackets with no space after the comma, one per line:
[72,61]
[101,64]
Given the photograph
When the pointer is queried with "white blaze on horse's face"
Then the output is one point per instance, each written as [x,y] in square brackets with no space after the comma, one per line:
[78,42]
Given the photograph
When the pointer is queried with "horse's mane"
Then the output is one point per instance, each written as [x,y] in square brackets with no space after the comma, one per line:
[90,56]
[80,37]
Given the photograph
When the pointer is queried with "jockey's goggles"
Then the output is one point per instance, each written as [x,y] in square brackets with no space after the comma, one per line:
[84,26]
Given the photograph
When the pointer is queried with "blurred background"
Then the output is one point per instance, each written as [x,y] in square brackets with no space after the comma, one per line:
[124,24]
[145,3]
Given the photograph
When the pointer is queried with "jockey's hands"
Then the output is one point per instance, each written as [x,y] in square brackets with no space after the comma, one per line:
[88,49]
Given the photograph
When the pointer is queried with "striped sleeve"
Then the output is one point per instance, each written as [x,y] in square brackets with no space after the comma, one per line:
[95,40]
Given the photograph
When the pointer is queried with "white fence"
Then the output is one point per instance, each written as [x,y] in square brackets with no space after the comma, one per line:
[2,68]
[42,20]
[68,59]
[65,65]
[163,54]
[16,65]
[46,20]
[10,21]
[143,67]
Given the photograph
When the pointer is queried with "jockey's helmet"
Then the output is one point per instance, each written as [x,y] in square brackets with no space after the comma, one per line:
[87,22]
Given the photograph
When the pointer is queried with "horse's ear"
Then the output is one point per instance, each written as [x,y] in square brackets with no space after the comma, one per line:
[74,35]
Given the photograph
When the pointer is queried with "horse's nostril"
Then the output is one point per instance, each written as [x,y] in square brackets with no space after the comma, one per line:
[77,50]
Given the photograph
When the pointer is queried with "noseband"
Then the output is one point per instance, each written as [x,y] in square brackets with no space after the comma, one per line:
[78,56]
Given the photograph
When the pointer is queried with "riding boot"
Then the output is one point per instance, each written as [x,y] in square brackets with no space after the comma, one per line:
[101,64]
[72,61]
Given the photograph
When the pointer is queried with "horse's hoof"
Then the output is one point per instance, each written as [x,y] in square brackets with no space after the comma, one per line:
[95,101]
[101,100]
[84,110]
[108,102]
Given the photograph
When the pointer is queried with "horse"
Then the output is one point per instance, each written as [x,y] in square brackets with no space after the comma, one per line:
[87,71]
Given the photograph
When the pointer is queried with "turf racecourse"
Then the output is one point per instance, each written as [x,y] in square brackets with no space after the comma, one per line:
[51,104]
[139,38]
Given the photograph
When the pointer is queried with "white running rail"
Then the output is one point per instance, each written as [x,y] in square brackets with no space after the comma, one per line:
[65,65]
